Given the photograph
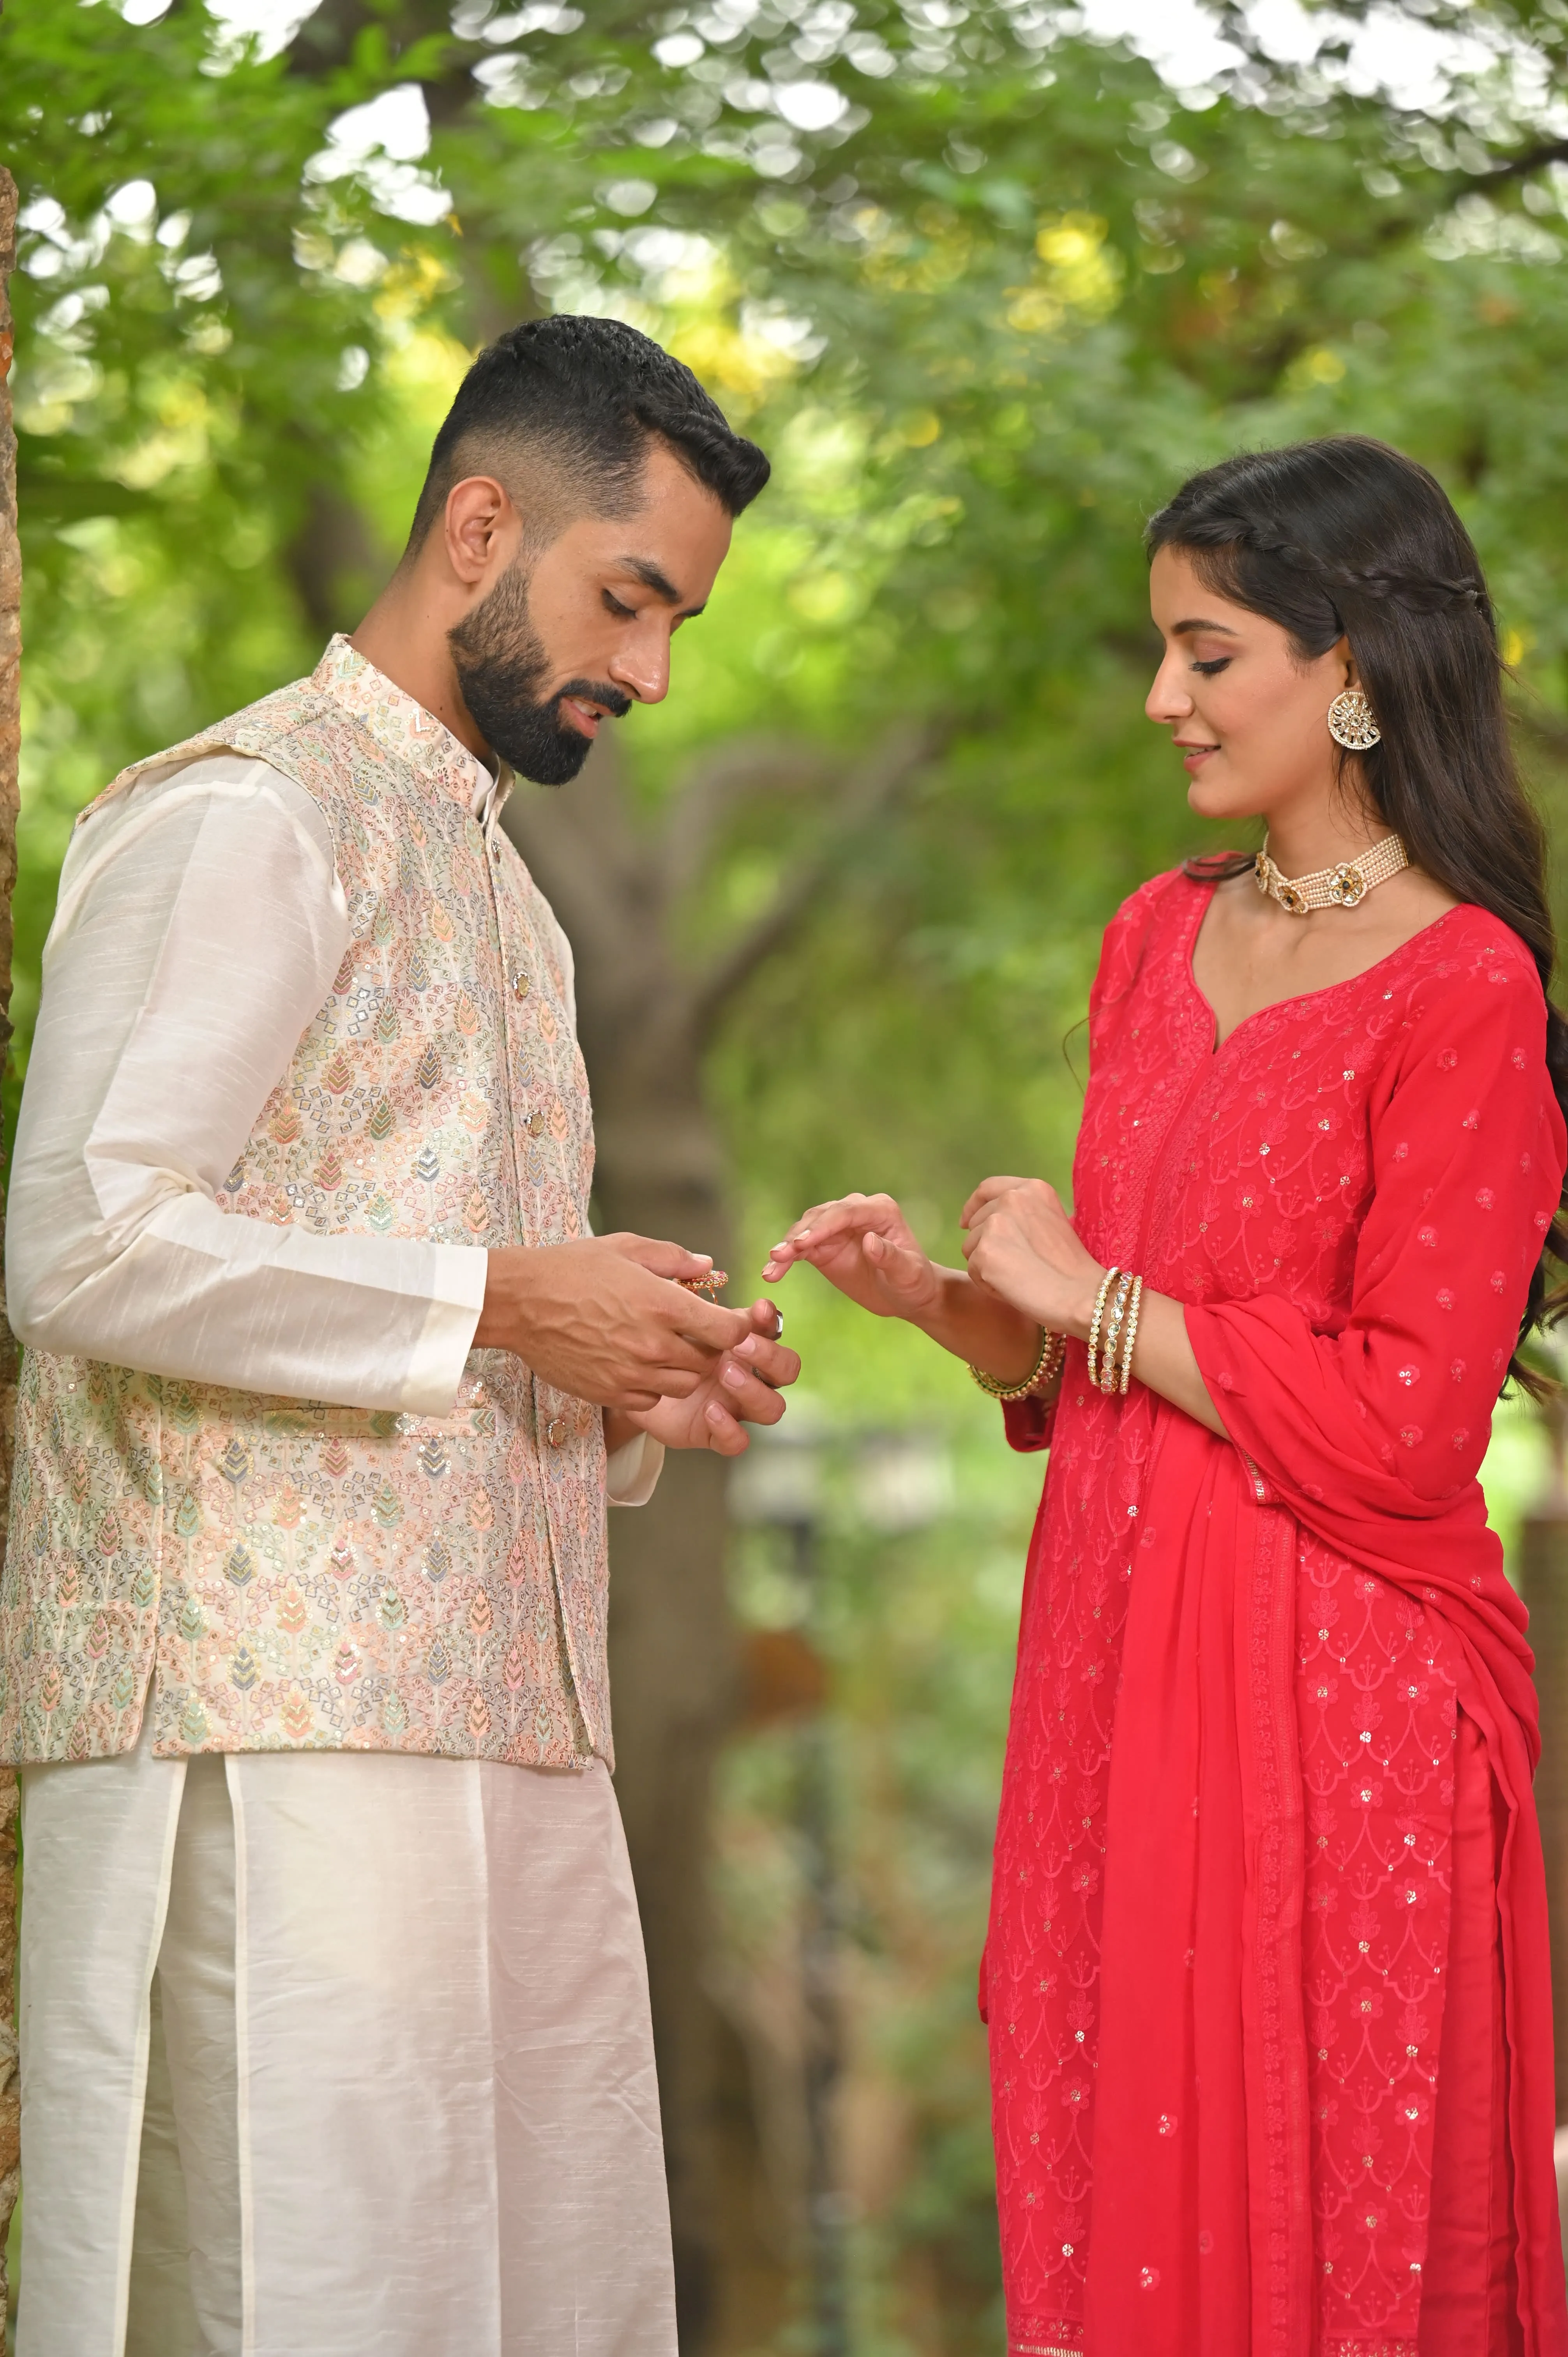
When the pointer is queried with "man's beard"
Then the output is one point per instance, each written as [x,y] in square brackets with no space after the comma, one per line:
[501,666]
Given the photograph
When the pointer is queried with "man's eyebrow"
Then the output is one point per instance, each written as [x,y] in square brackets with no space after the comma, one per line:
[643,570]
[1185,629]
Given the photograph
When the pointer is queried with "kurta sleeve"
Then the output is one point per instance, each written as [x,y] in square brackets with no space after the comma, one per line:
[199,928]
[1467,1152]
[632,1474]
[1029,1422]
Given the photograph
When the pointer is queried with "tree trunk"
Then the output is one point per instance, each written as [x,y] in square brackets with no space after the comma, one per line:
[645,1020]
[10,730]
[672,1643]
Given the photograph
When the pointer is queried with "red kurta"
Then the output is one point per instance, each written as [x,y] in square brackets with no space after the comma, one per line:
[1267,1973]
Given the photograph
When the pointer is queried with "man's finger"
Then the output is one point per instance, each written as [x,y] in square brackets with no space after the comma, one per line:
[705,1323]
[660,1257]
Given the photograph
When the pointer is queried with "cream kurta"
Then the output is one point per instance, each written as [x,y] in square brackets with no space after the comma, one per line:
[401,2041]
[188,955]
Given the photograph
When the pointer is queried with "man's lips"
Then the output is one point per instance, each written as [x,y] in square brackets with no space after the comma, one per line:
[583,717]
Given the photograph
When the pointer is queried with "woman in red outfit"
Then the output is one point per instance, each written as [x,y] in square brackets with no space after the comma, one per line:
[1267,1976]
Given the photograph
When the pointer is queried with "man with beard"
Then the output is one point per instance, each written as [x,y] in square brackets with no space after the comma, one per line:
[334,2017]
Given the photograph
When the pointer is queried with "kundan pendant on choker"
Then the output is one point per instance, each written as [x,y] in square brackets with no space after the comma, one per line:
[1344,887]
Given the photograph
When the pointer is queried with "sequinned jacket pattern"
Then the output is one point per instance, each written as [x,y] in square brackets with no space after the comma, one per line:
[290,1575]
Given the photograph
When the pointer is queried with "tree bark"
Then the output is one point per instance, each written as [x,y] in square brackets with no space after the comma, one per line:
[10,733]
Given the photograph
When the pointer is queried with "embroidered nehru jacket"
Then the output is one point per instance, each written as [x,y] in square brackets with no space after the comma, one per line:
[293,1573]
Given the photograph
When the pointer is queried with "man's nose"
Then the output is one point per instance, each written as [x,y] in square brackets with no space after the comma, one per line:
[642,667]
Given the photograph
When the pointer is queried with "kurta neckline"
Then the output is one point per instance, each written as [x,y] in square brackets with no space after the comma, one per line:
[1297,998]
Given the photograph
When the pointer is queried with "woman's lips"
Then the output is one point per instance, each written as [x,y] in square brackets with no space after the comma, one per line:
[1195,756]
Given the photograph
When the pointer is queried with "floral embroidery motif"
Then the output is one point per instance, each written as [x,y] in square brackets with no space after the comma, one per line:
[302,1576]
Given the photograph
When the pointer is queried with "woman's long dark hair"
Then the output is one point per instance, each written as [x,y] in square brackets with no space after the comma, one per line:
[1347,538]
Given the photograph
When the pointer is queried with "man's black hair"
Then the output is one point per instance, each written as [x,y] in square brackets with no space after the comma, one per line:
[581,399]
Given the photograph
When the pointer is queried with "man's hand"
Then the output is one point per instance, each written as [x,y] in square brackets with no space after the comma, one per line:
[742,1389]
[607,1319]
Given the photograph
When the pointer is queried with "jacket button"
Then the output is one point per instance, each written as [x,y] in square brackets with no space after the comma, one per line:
[521,985]
[534,1124]
[555,1431]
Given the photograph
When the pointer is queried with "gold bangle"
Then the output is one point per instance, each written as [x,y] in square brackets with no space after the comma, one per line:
[1053,1351]
[1113,1333]
[1106,1282]
[1130,1335]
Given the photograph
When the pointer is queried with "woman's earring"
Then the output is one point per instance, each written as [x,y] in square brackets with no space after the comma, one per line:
[1351,722]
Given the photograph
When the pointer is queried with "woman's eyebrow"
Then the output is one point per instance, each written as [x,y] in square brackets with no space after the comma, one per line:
[1185,629]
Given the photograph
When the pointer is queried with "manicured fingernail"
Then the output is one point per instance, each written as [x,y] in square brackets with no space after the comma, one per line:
[716,1416]
[746,1349]
[735,1377]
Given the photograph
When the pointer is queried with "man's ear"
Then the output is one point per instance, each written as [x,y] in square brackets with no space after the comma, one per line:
[477,515]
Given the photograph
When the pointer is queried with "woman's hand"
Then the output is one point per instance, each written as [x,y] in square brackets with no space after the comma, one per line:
[1021,1245]
[865,1245]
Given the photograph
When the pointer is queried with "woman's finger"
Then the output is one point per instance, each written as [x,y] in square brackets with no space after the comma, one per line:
[770,1360]
[986,1193]
[809,1222]
[897,1263]
[823,1220]
[976,1214]
[725,1436]
[837,1225]
[748,1397]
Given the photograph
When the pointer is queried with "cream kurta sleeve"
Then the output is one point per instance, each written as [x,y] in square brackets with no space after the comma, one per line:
[199,927]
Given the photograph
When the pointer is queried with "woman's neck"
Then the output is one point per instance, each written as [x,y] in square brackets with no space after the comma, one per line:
[1301,841]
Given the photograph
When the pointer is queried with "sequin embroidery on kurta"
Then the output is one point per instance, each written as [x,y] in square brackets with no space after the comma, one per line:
[1397,1133]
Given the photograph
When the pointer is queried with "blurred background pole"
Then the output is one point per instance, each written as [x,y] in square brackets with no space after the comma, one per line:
[822,2044]
[779,1484]
[1543,1584]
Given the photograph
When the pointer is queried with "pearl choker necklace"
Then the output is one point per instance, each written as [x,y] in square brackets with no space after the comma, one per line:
[1344,887]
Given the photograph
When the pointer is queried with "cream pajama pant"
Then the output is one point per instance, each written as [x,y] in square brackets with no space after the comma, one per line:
[336,2055]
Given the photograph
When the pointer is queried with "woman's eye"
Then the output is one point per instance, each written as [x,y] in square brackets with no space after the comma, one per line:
[1218,663]
[613,606]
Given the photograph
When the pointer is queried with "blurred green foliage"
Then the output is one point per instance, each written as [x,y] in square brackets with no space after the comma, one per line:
[987,283]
